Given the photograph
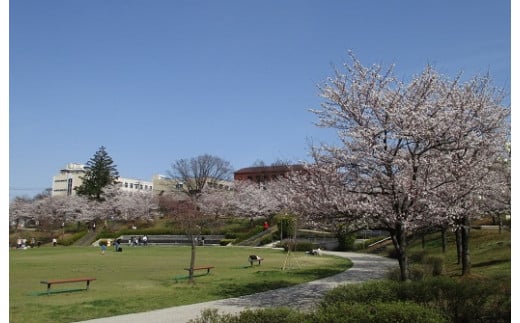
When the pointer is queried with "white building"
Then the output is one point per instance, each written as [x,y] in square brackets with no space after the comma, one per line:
[134,185]
[69,177]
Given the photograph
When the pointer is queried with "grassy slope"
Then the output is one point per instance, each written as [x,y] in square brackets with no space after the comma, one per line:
[490,253]
[141,278]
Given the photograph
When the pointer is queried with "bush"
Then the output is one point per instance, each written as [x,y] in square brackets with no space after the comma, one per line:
[461,301]
[270,315]
[267,315]
[434,265]
[378,312]
[266,240]
[428,265]
[230,235]
[374,291]
[297,245]
[414,273]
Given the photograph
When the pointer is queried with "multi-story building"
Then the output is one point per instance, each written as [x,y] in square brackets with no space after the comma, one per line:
[134,185]
[165,185]
[69,177]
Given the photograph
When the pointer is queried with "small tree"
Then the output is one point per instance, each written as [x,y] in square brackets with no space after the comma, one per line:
[192,176]
[190,220]
[100,173]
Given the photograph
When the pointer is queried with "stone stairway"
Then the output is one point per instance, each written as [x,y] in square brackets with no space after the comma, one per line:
[254,240]
[87,239]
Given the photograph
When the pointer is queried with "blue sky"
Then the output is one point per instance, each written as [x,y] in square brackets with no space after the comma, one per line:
[156,81]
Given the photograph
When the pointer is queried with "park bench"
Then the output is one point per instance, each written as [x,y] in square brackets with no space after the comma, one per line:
[49,283]
[253,258]
[208,268]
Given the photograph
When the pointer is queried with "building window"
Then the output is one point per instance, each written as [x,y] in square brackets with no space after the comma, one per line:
[131,185]
[126,184]
[69,187]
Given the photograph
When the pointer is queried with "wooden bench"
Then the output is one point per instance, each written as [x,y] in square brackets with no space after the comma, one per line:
[253,258]
[208,268]
[181,277]
[49,283]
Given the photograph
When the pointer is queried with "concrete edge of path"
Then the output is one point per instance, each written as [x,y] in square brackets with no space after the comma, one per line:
[304,296]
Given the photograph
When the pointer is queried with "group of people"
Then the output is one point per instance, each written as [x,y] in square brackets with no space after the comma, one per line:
[137,241]
[24,244]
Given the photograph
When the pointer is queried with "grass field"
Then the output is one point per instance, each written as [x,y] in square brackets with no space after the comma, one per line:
[142,278]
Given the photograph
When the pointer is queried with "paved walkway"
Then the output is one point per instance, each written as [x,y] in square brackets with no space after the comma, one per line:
[304,296]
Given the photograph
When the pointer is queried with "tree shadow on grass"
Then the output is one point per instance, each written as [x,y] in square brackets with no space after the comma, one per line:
[490,263]
[234,290]
[263,281]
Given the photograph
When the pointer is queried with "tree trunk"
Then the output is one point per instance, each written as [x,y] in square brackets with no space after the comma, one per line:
[466,260]
[399,240]
[500,223]
[458,240]
[192,261]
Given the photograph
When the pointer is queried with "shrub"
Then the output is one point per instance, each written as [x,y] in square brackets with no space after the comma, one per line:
[374,291]
[378,312]
[267,315]
[461,301]
[418,256]
[270,315]
[265,240]
[434,265]
[230,235]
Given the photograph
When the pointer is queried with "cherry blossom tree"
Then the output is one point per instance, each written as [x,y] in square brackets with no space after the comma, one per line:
[216,201]
[403,147]
[252,199]
[20,211]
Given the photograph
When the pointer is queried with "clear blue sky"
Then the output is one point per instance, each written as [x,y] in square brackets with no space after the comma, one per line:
[156,81]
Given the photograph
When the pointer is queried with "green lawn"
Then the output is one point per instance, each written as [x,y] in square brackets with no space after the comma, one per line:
[142,278]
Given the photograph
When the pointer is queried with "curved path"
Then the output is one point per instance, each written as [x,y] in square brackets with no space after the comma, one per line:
[304,296]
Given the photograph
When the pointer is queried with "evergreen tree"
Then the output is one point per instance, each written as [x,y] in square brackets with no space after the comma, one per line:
[100,172]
